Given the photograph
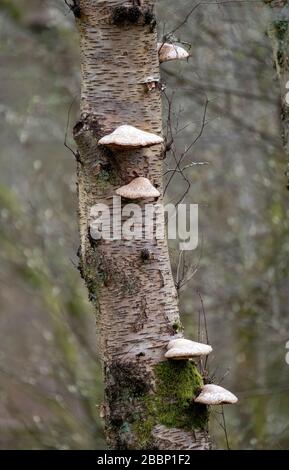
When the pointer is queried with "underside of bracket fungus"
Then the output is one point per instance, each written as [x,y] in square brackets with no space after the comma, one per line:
[171,52]
[126,137]
[215,395]
[181,349]
[139,188]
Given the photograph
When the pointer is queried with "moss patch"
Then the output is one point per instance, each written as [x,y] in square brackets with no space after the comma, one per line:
[177,383]
[106,178]
[95,273]
[103,180]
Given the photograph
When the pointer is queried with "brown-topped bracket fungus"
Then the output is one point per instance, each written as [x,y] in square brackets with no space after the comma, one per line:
[212,394]
[182,349]
[139,188]
[129,137]
[169,51]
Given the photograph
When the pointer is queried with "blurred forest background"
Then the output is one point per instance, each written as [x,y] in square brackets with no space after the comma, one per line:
[50,382]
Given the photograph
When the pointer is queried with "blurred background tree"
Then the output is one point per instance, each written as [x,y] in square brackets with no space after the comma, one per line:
[50,384]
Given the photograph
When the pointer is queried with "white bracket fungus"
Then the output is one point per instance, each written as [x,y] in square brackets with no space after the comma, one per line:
[213,394]
[169,52]
[181,349]
[139,188]
[126,137]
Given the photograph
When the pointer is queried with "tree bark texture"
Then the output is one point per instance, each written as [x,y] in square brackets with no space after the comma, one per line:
[148,400]
[278,32]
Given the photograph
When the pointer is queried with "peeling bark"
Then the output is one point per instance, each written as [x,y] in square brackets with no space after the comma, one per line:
[169,439]
[129,281]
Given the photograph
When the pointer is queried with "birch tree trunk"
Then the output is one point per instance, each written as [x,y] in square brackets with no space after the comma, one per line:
[278,32]
[148,400]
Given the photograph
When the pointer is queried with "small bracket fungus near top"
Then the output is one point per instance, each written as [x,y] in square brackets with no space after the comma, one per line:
[181,349]
[213,394]
[139,188]
[169,51]
[126,137]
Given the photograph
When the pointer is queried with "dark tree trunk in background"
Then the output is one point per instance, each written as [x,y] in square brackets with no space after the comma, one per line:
[278,32]
[148,400]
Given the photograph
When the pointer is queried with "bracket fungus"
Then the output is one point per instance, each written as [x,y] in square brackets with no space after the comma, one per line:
[169,52]
[182,349]
[139,188]
[212,394]
[126,137]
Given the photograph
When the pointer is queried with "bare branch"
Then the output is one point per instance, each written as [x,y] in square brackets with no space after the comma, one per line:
[194,8]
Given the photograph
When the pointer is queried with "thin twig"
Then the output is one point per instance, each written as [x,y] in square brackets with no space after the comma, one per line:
[67,127]
[184,153]
[225,429]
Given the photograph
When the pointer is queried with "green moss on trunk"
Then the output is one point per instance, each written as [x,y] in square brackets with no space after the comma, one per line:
[172,405]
